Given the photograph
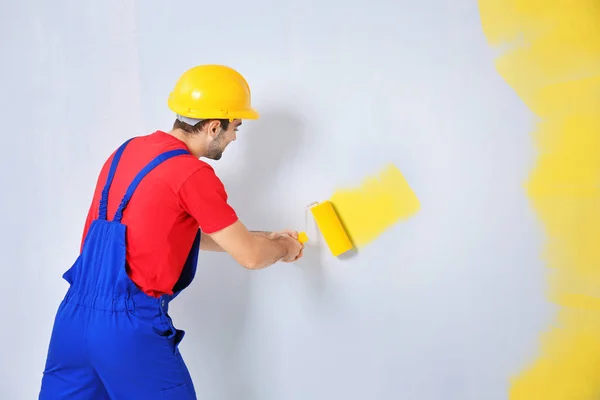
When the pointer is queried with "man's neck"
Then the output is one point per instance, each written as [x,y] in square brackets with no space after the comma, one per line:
[194,145]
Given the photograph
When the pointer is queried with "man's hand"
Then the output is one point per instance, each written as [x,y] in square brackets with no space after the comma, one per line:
[288,232]
[294,247]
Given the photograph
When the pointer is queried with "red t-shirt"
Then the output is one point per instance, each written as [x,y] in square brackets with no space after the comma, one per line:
[168,207]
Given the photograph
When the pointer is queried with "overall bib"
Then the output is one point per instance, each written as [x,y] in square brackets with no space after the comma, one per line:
[110,340]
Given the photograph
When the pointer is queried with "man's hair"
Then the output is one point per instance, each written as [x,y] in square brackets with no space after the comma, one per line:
[193,129]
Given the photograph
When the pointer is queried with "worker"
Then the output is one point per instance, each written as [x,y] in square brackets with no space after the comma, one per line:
[155,205]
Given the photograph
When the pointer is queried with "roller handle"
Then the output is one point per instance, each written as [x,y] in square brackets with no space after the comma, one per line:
[302,237]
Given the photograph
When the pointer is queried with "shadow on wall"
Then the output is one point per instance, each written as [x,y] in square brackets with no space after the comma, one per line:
[224,291]
[271,142]
[273,145]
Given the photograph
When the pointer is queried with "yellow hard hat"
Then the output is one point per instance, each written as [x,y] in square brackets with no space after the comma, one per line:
[211,92]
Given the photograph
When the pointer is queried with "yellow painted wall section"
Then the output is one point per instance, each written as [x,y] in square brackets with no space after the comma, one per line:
[551,58]
[373,207]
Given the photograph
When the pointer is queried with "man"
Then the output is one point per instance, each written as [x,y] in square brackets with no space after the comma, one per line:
[155,205]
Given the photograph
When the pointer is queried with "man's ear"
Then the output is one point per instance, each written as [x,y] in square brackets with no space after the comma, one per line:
[213,128]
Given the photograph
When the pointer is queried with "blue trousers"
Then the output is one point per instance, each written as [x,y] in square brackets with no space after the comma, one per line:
[114,351]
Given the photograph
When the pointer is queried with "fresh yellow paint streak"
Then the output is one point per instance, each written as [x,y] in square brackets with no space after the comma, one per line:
[378,203]
[551,58]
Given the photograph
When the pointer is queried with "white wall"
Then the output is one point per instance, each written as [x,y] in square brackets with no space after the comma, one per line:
[446,305]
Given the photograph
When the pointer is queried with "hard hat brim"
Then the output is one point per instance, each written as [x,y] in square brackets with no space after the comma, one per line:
[248,113]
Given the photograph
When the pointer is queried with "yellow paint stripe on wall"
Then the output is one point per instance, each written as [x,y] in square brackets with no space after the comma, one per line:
[552,61]
[373,207]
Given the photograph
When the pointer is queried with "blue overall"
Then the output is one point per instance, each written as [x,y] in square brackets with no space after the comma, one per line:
[110,340]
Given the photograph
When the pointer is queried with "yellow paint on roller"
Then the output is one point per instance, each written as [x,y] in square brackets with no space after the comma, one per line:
[377,204]
[331,228]
[554,66]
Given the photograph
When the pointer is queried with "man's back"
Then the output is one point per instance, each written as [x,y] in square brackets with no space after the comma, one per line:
[170,204]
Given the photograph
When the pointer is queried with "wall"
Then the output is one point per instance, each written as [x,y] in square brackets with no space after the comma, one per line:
[445,304]
[550,56]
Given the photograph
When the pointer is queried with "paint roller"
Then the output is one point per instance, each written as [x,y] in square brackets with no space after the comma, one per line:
[330,226]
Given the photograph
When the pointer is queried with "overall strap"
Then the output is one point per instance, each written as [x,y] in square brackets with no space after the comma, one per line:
[109,179]
[138,178]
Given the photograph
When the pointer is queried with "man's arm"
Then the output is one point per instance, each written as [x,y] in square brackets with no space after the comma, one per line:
[204,197]
[207,243]
[261,233]
[254,250]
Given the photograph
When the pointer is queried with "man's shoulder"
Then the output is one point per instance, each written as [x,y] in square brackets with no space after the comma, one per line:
[142,150]
[148,147]
[199,170]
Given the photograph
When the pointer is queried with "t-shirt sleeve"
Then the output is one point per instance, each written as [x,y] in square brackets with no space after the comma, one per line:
[204,197]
